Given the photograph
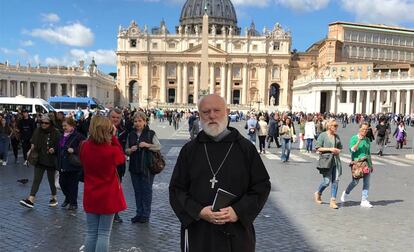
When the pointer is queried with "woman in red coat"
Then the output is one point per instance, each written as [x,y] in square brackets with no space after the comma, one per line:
[102,196]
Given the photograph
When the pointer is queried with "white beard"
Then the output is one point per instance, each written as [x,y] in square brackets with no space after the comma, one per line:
[214,129]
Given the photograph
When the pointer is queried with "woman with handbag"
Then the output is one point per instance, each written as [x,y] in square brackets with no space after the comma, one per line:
[102,195]
[287,135]
[400,135]
[68,163]
[360,147]
[262,132]
[141,142]
[329,146]
[44,142]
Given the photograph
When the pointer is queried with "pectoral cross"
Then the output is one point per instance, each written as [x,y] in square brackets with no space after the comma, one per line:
[213,181]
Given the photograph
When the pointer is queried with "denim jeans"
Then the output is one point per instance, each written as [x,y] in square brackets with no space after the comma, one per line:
[286,145]
[328,178]
[252,138]
[98,232]
[143,193]
[365,186]
[309,143]
[4,147]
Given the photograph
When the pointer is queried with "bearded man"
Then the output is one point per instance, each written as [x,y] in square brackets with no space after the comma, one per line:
[219,157]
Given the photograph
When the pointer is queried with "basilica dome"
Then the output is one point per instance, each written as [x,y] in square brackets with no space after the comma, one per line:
[221,14]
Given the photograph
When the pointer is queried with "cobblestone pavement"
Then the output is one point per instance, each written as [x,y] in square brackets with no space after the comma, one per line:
[290,221]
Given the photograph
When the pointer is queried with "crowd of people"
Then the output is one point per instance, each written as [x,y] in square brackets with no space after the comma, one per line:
[64,146]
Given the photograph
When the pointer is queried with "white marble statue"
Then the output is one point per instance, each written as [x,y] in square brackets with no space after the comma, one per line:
[213,30]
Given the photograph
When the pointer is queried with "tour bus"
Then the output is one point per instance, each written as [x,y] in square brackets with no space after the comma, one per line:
[19,103]
[67,104]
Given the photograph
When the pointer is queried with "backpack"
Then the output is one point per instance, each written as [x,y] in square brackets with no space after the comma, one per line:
[157,160]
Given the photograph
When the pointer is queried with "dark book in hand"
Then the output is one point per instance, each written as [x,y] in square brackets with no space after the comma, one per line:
[222,199]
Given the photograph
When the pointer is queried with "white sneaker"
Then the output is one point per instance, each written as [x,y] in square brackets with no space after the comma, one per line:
[4,163]
[365,203]
[344,197]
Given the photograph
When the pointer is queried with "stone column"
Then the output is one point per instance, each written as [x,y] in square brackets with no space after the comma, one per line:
[317,101]
[48,90]
[18,91]
[196,82]
[212,79]
[163,83]
[333,102]
[39,89]
[59,89]
[408,103]
[73,90]
[229,83]
[348,96]
[223,80]
[185,84]
[245,81]
[398,101]
[28,89]
[388,97]
[179,84]
[358,102]
[8,88]
[146,77]
[368,103]
[378,102]
[88,89]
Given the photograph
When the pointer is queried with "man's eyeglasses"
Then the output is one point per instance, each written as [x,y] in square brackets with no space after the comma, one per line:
[46,123]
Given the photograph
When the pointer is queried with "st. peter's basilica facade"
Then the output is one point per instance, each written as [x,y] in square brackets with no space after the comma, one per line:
[156,67]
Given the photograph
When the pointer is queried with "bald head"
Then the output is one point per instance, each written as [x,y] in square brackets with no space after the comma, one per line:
[212,98]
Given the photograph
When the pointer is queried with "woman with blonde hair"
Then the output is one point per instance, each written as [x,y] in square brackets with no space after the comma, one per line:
[140,144]
[103,195]
[329,145]
[262,134]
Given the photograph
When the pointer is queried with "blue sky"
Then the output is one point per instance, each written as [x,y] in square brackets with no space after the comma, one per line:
[63,32]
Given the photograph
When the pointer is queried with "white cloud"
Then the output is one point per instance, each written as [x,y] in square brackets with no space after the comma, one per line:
[103,57]
[50,17]
[18,51]
[27,43]
[304,5]
[74,35]
[381,11]
[257,3]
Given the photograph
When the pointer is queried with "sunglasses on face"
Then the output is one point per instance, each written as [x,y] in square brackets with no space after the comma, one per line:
[46,123]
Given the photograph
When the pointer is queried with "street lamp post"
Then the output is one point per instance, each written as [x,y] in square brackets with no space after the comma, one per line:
[148,99]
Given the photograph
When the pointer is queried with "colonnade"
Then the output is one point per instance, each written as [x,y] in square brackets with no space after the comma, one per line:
[374,101]
[183,80]
[39,89]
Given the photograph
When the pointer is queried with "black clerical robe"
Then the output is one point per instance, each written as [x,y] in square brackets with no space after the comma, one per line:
[243,174]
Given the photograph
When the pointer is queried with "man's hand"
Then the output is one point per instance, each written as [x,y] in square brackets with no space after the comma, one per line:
[229,215]
[213,217]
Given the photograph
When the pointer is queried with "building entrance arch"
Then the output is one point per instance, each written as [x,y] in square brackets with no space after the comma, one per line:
[274,94]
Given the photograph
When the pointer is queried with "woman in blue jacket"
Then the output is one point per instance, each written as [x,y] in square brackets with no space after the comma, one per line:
[69,144]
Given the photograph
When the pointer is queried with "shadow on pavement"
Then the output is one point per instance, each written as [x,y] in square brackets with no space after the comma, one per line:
[374,203]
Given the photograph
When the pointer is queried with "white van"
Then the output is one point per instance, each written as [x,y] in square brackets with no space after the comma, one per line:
[33,105]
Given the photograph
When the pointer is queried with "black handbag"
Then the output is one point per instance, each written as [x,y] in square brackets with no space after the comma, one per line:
[74,158]
[326,159]
[33,157]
